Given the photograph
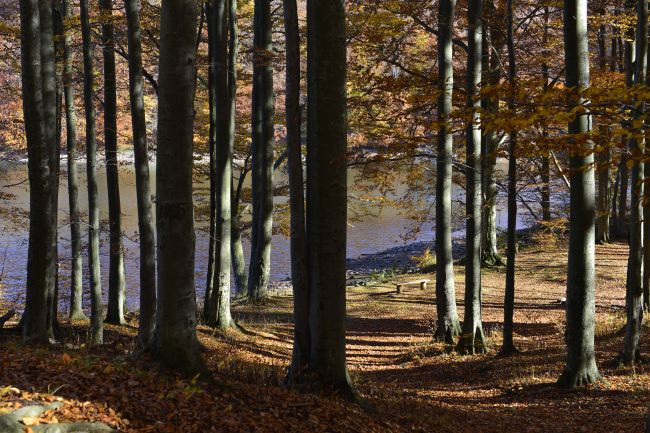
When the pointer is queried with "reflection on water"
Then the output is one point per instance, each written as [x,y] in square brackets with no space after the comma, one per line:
[371,234]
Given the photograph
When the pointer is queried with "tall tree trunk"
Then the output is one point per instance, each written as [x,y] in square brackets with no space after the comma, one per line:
[96,306]
[472,339]
[299,272]
[447,325]
[142,185]
[604,156]
[327,192]
[489,248]
[116,283]
[620,223]
[217,308]
[508,345]
[76,278]
[35,86]
[176,343]
[262,125]
[546,166]
[57,27]
[634,286]
[581,366]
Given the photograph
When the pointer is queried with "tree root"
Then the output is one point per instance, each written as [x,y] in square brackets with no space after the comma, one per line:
[575,379]
[13,422]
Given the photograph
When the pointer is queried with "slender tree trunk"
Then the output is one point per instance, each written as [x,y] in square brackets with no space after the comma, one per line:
[447,325]
[635,277]
[208,313]
[508,345]
[581,366]
[262,124]
[237,246]
[472,339]
[96,306]
[489,248]
[142,185]
[217,309]
[546,166]
[116,283]
[76,282]
[604,156]
[40,277]
[299,272]
[176,343]
[57,27]
[327,192]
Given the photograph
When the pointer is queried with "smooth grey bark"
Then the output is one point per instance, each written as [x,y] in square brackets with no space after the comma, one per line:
[116,279]
[508,345]
[40,144]
[96,306]
[472,339]
[217,301]
[635,276]
[581,366]
[76,277]
[262,149]
[176,343]
[327,193]
[143,193]
[447,325]
[298,240]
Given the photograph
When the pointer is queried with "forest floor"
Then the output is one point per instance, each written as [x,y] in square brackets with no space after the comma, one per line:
[409,382]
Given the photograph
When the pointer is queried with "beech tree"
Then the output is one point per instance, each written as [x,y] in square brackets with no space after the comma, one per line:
[298,246]
[143,194]
[472,339]
[76,283]
[116,280]
[39,109]
[581,366]
[96,303]
[447,324]
[176,344]
[634,286]
[262,150]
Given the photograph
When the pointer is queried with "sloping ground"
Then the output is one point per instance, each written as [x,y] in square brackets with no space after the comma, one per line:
[410,383]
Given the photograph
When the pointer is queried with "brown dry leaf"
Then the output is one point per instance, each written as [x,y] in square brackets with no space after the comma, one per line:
[66,359]
[30,420]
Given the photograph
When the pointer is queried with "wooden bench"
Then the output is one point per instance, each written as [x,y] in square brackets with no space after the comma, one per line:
[422,283]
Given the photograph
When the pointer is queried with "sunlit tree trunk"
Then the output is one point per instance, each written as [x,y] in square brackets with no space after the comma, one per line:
[176,343]
[142,185]
[116,283]
[96,306]
[262,147]
[472,339]
[237,246]
[76,283]
[447,325]
[581,366]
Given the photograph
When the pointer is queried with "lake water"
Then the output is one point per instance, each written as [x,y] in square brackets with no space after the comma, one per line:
[380,230]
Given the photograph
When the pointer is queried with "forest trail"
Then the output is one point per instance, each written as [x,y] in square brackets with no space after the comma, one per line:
[412,383]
